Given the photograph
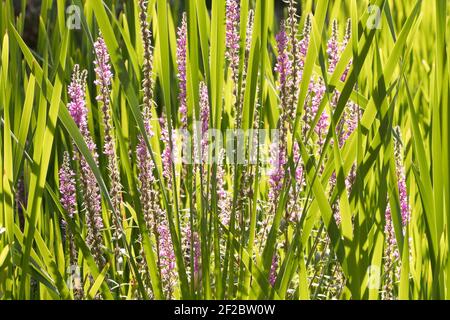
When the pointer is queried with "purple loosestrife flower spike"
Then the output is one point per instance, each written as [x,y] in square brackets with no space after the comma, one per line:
[246,178]
[168,153]
[146,178]
[389,227]
[294,56]
[278,152]
[276,174]
[273,269]
[144,162]
[181,63]
[333,53]
[197,254]
[298,162]
[192,248]
[104,76]
[347,37]
[301,53]
[194,245]
[145,165]
[204,122]
[102,68]
[68,193]
[248,43]
[232,42]
[249,31]
[333,48]
[303,45]
[153,215]
[318,92]
[77,104]
[67,187]
[284,69]
[78,110]
[201,129]
[401,180]
[223,196]
[232,36]
[289,104]
[166,256]
[283,66]
[182,43]
[147,80]
[352,114]
[67,190]
[391,255]
[403,196]
[200,157]
[391,252]
[294,210]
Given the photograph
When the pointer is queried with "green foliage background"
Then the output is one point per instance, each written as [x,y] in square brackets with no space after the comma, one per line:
[402,76]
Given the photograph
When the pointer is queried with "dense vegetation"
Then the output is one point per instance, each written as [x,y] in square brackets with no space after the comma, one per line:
[190,150]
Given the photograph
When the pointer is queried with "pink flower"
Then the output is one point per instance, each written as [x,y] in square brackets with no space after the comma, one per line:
[303,45]
[67,186]
[181,63]
[317,91]
[168,153]
[283,66]
[333,48]
[77,104]
[103,80]
[104,76]
[297,161]
[92,197]
[405,209]
[232,35]
[200,134]
[278,160]
[102,67]
[166,255]
[401,181]
[273,270]
[223,195]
